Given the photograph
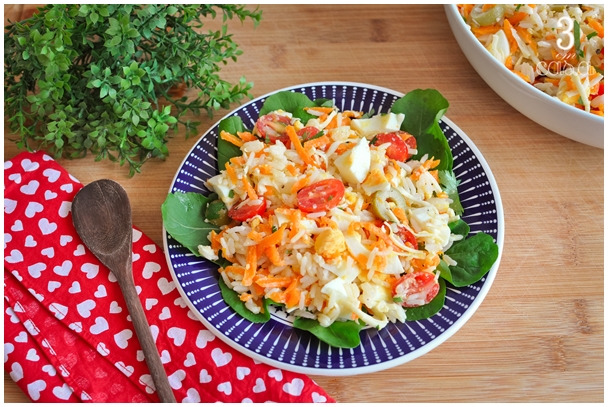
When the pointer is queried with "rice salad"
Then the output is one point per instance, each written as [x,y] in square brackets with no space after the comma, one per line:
[529,40]
[331,218]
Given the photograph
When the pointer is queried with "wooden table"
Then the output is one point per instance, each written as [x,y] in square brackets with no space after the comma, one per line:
[539,334]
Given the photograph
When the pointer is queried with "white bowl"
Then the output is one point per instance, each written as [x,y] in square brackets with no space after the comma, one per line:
[545,110]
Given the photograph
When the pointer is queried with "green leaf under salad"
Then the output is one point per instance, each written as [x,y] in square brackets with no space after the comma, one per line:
[225,149]
[423,108]
[430,309]
[459,227]
[232,299]
[184,219]
[448,181]
[474,257]
[341,334]
[292,102]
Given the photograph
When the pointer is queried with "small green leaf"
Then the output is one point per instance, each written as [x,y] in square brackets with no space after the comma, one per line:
[340,334]
[430,309]
[474,257]
[232,299]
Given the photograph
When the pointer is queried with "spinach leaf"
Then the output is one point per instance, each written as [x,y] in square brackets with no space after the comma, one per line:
[183,216]
[232,299]
[449,184]
[292,102]
[444,271]
[341,334]
[225,149]
[459,227]
[430,309]
[475,256]
[423,108]
[323,102]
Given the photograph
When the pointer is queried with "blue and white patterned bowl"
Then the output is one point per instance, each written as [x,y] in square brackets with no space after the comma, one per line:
[276,342]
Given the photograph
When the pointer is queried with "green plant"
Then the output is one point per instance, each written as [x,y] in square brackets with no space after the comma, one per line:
[102,78]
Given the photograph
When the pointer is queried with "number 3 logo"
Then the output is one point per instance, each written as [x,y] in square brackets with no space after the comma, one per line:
[569,25]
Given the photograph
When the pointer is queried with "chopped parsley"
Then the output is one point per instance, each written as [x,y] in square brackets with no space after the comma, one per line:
[601,71]
[274,229]
[368,114]
[518,7]
[231,194]
[591,35]
[397,299]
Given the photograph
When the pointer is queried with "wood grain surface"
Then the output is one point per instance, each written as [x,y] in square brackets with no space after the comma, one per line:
[539,334]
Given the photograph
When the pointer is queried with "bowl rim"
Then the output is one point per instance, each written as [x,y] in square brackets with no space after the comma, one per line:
[534,92]
[425,349]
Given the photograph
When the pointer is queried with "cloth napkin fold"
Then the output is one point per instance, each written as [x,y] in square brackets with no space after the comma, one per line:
[67,332]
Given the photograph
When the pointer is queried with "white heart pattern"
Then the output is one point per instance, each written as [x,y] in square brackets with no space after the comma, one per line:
[294,387]
[64,392]
[22,337]
[67,188]
[85,307]
[9,205]
[241,372]
[136,235]
[14,257]
[115,308]
[16,177]
[190,361]
[32,355]
[16,372]
[220,358]
[166,314]
[90,269]
[46,227]
[65,239]
[8,348]
[8,238]
[49,369]
[225,387]
[150,302]
[100,326]
[150,248]
[149,269]
[34,389]
[17,226]
[178,335]
[127,370]
[51,174]
[122,338]
[65,208]
[32,209]
[165,285]
[165,357]
[30,242]
[204,376]
[35,270]
[102,349]
[260,386]
[75,288]
[276,374]
[147,381]
[76,326]
[175,380]
[30,188]
[101,291]
[48,195]
[64,269]
[53,285]
[59,310]
[318,398]
[192,396]
[204,336]
[29,165]
[79,250]
[48,252]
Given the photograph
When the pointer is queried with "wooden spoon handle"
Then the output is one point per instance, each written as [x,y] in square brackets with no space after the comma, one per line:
[142,330]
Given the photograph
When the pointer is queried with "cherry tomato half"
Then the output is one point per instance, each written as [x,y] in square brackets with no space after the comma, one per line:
[416,289]
[271,127]
[407,237]
[307,133]
[401,143]
[321,196]
[245,210]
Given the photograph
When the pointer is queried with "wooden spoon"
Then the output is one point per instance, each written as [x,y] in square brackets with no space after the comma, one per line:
[102,217]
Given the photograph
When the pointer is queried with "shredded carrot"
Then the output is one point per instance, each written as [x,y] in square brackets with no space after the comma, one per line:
[323,117]
[400,214]
[521,75]
[273,282]
[534,47]
[231,138]
[274,256]
[245,296]
[509,62]
[237,160]
[292,169]
[231,173]
[569,82]
[381,234]
[466,9]
[215,241]
[550,37]
[598,112]
[596,26]
[256,289]
[295,216]
[292,294]
[342,148]
[320,109]
[264,169]
[491,29]
[299,184]
[352,114]
[240,270]
[333,123]
[251,194]
[486,7]
[252,265]
[435,174]
[277,296]
[524,34]
[517,17]
[298,146]
[272,239]
[246,136]
[316,143]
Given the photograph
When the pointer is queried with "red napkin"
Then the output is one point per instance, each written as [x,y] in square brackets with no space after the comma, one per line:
[67,333]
